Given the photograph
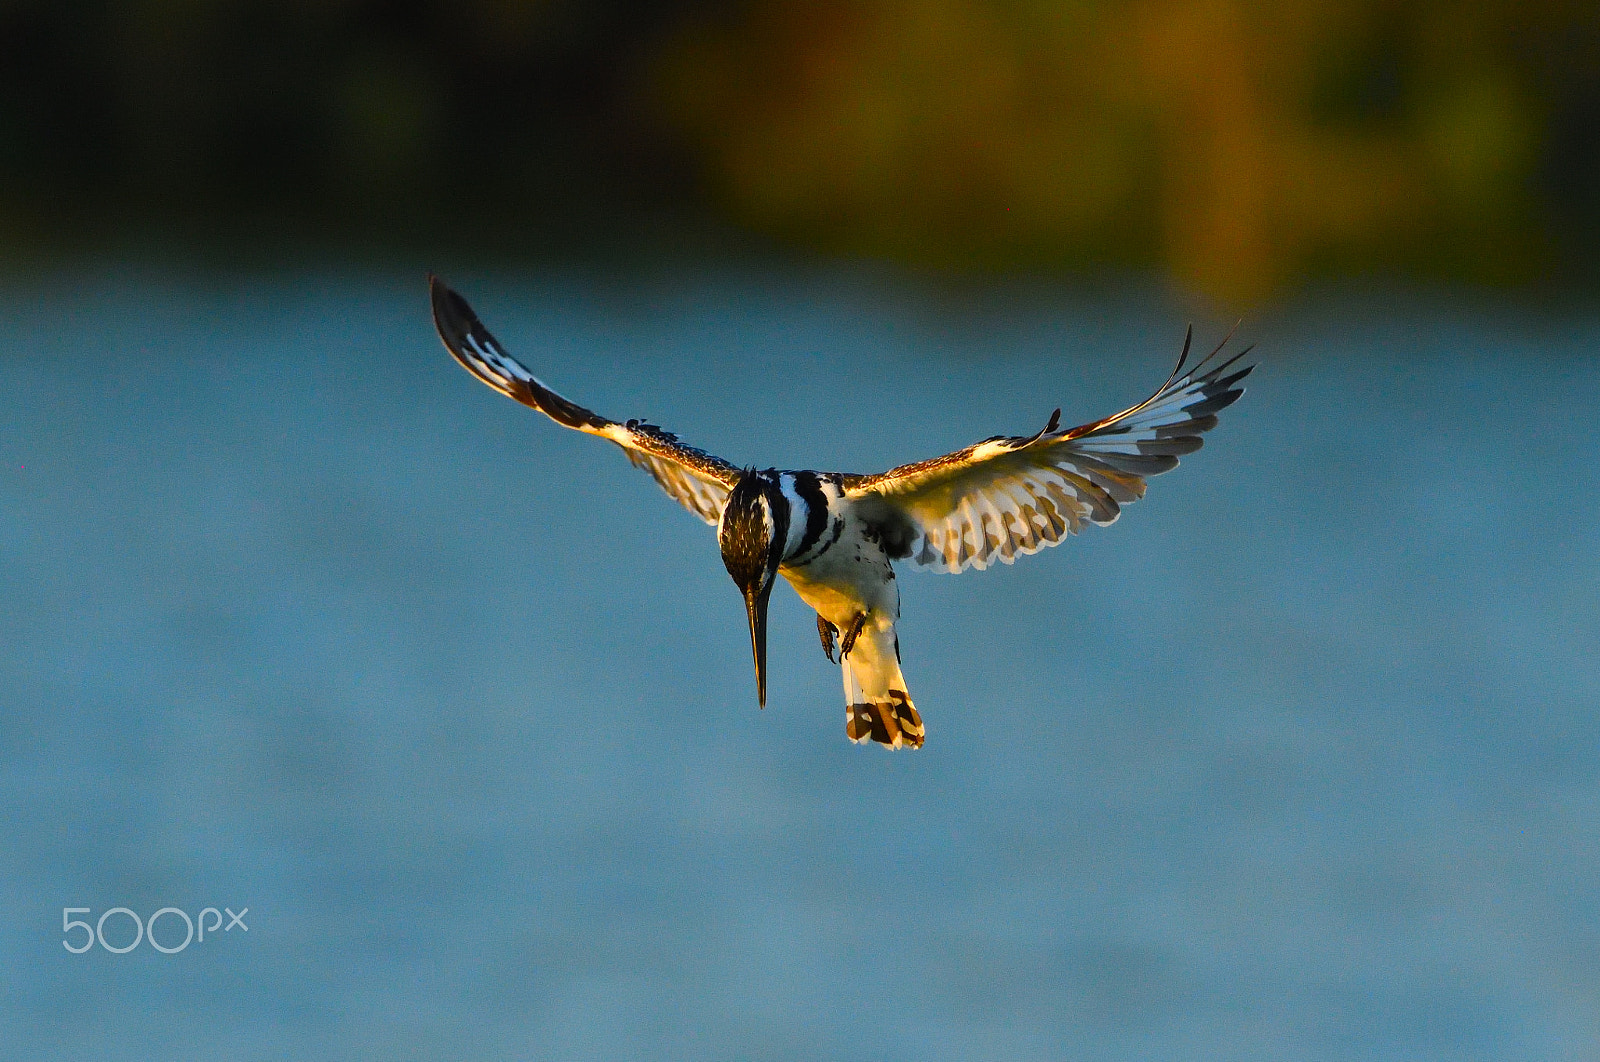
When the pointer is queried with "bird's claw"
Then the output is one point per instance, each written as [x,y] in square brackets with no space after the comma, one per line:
[826,631]
[851,635]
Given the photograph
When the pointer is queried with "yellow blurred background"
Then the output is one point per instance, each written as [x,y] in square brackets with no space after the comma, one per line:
[1240,147]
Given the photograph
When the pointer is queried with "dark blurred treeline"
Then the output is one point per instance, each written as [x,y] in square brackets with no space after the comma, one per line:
[1238,145]
[352,119]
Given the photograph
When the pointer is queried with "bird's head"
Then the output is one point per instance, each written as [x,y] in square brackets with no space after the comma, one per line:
[752,534]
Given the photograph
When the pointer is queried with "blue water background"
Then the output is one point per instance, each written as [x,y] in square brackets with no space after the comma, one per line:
[1299,760]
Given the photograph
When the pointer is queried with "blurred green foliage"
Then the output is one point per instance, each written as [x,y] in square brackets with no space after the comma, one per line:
[1238,144]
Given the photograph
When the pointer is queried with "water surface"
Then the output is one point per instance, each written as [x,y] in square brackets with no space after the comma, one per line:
[1297,761]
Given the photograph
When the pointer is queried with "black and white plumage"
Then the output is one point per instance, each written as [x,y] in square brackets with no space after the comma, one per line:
[834,536]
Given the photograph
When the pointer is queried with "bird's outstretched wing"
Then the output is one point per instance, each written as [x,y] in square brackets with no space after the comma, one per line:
[698,480]
[1016,495]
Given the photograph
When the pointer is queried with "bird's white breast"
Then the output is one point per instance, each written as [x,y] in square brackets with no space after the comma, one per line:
[850,576]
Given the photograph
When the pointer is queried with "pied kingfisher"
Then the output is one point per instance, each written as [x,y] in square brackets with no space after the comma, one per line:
[833,535]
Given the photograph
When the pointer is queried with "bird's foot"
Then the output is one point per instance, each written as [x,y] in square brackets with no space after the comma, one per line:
[852,634]
[826,631]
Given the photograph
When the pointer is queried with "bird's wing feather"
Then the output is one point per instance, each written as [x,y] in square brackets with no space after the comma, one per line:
[1008,496]
[698,480]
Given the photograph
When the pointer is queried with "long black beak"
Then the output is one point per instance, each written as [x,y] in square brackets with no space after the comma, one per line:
[755,602]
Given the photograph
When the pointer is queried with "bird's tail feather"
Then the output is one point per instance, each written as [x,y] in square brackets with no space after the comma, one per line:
[877,706]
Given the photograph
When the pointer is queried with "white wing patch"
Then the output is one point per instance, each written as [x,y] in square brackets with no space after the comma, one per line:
[704,498]
[1013,496]
[1014,515]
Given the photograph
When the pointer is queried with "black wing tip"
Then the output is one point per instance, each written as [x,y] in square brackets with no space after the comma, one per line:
[460,330]
[452,315]
[1183,355]
[459,327]
[1196,371]
[1217,378]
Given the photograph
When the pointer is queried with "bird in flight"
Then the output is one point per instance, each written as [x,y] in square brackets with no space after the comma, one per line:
[834,536]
